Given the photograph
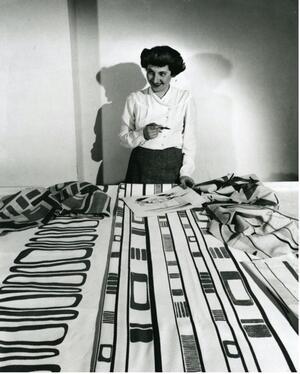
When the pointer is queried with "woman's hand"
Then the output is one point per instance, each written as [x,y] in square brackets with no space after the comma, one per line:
[151,131]
[186,181]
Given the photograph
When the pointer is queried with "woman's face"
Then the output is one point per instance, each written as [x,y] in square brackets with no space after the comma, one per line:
[159,78]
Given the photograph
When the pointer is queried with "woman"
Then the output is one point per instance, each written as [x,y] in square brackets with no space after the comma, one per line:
[158,123]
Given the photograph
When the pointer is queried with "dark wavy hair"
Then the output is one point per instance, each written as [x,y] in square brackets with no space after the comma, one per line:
[162,56]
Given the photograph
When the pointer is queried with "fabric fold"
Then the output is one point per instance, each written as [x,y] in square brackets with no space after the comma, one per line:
[244,214]
[32,207]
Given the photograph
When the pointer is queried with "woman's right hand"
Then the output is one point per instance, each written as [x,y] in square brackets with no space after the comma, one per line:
[151,131]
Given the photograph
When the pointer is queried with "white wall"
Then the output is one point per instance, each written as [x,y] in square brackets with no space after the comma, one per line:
[66,67]
[37,132]
[241,61]
[87,90]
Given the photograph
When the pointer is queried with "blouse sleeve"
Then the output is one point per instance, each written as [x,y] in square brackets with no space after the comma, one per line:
[189,142]
[129,136]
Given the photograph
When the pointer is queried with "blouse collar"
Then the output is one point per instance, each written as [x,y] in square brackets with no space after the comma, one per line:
[165,100]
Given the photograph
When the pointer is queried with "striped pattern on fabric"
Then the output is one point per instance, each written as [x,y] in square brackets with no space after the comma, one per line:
[175,298]
[261,231]
[244,214]
[36,206]
[278,278]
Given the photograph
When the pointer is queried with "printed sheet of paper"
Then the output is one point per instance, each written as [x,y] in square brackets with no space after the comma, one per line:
[169,201]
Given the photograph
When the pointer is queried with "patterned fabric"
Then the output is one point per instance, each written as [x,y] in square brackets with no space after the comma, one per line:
[278,278]
[176,299]
[234,189]
[50,287]
[243,213]
[136,294]
[36,206]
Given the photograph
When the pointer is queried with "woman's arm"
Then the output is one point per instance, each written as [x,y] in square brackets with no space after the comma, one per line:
[189,140]
[129,136]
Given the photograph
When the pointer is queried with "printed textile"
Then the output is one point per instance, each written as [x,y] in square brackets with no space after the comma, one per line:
[176,299]
[244,214]
[36,206]
[132,294]
[278,278]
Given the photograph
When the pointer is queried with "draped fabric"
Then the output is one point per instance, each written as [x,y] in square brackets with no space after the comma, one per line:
[32,207]
[235,189]
[124,293]
[261,231]
[244,213]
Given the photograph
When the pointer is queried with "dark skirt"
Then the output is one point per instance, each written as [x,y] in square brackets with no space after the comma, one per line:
[154,166]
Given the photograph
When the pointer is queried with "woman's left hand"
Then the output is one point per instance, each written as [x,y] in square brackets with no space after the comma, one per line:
[186,181]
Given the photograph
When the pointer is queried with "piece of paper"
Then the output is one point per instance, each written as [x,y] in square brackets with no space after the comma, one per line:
[169,201]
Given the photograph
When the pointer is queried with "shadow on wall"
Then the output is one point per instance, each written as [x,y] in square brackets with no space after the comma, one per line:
[118,81]
[216,155]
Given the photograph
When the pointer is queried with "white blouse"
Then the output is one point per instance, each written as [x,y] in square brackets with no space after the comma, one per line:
[175,110]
